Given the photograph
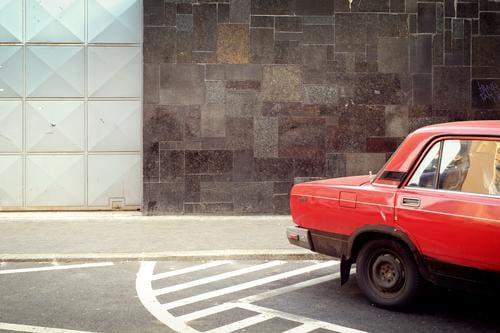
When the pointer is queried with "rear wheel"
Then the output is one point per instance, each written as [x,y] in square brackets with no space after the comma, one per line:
[387,274]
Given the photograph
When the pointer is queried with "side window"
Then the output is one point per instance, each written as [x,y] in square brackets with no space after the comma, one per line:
[426,173]
[470,166]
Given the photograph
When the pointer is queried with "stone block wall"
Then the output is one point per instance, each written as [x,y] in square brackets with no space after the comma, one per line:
[241,97]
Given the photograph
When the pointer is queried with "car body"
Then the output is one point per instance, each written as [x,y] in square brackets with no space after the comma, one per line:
[431,213]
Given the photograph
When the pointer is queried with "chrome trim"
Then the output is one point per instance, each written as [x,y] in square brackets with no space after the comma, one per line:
[410,202]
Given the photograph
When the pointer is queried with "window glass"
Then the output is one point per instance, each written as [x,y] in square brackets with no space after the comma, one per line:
[425,175]
[470,166]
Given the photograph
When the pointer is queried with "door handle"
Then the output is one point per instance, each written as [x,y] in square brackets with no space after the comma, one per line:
[411,202]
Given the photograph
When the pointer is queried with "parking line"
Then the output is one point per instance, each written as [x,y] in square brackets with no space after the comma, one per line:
[54,268]
[301,319]
[290,288]
[218,277]
[247,285]
[189,269]
[241,324]
[304,328]
[35,329]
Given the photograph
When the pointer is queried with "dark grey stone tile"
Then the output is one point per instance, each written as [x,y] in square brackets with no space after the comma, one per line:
[192,123]
[206,162]
[392,55]
[426,17]
[154,12]
[412,23]
[350,32]
[341,6]
[314,7]
[151,83]
[362,164]
[243,72]
[377,88]
[490,23]
[288,23]
[273,169]
[241,103]
[192,188]
[159,44]
[422,89]
[449,8]
[243,165]
[396,120]
[205,27]
[392,25]
[184,47]
[421,54]
[204,57]
[310,167]
[182,84]
[258,21]
[215,72]
[336,165]
[321,94]
[488,5]
[287,52]
[439,18]
[163,198]
[397,6]
[262,46]
[215,92]
[273,7]
[265,137]
[212,192]
[467,10]
[239,11]
[485,51]
[254,198]
[288,36]
[437,49]
[171,166]
[304,137]
[239,133]
[208,208]
[451,96]
[223,13]
[163,123]
[458,28]
[315,56]
[370,5]
[318,34]
[170,14]
[281,203]
[272,109]
[282,187]
[151,162]
[242,85]
[184,8]
[411,6]
[319,20]
[213,121]
[184,22]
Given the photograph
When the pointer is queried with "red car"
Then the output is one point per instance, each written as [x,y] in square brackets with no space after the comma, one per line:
[432,213]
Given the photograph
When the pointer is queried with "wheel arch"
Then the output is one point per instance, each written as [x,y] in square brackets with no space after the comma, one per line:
[367,233]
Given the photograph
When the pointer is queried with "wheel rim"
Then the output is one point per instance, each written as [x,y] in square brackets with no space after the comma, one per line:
[387,273]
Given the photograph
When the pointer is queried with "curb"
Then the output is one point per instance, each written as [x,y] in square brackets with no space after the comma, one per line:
[168,256]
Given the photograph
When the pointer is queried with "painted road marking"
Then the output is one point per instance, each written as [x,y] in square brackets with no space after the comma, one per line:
[35,329]
[54,268]
[247,285]
[218,277]
[190,269]
[181,323]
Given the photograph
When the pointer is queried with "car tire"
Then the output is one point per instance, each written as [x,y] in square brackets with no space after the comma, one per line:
[387,274]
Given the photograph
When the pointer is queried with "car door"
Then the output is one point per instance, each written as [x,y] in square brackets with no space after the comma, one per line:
[450,204]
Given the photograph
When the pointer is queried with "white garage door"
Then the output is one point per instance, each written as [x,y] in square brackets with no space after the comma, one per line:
[70,104]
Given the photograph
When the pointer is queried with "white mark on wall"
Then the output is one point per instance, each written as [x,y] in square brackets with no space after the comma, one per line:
[350,4]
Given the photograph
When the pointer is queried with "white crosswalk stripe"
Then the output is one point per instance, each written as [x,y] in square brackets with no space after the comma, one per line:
[187,322]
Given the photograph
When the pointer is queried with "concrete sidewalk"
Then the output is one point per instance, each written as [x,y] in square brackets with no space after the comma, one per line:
[131,236]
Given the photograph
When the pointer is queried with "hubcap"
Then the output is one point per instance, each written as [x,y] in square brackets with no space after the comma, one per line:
[387,272]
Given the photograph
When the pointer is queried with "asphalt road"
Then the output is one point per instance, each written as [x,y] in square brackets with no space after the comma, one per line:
[218,296]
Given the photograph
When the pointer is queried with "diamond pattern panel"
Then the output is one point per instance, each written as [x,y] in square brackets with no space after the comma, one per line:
[114,71]
[11,21]
[114,176]
[11,71]
[55,180]
[114,126]
[115,21]
[11,126]
[55,126]
[55,71]
[11,181]
[52,21]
